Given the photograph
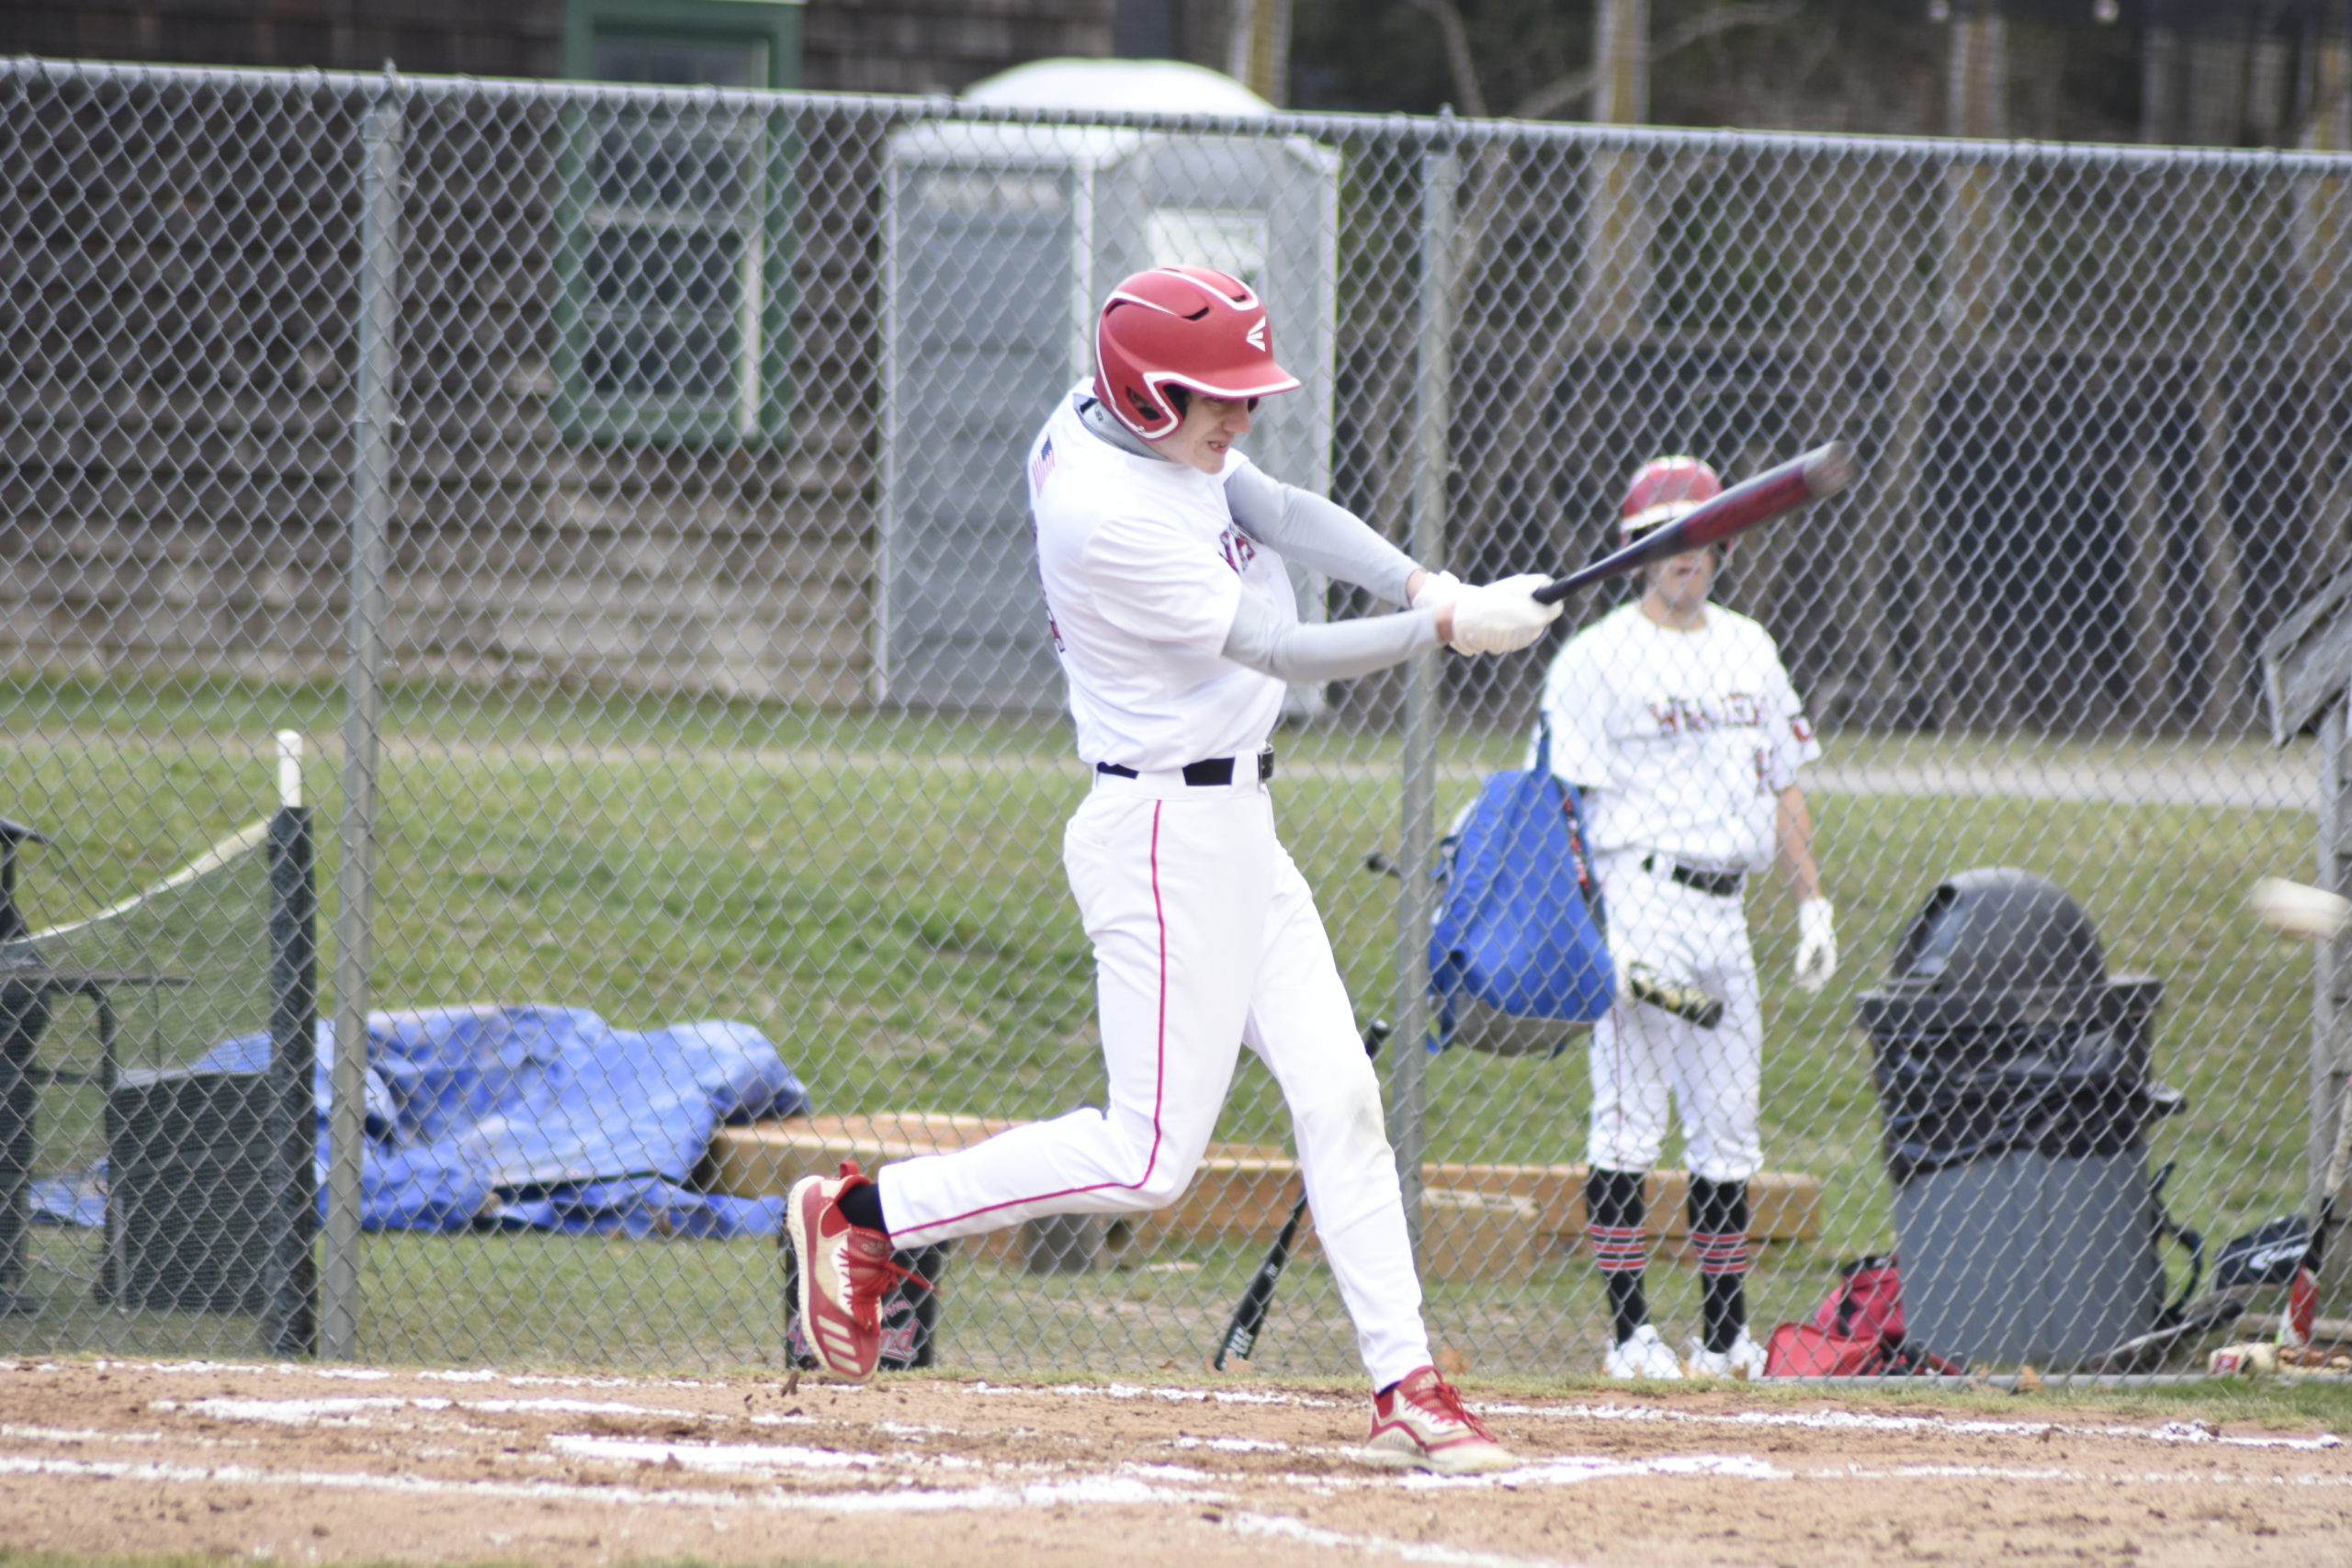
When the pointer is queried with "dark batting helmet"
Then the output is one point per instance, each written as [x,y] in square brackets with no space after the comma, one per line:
[1181,326]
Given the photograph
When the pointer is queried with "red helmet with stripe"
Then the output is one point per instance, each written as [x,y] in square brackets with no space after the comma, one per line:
[1663,490]
[1184,326]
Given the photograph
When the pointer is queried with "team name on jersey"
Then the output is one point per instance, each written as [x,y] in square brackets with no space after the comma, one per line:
[1698,715]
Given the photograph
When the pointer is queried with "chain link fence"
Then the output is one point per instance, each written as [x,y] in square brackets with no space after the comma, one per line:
[619,492]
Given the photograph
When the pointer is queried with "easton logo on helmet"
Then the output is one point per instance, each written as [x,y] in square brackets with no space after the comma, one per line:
[1181,326]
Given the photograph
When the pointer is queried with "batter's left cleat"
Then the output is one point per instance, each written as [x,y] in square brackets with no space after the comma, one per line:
[1744,1359]
[841,1270]
[1420,1422]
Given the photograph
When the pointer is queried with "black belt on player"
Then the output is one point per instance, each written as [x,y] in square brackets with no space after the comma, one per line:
[1719,883]
[1208,772]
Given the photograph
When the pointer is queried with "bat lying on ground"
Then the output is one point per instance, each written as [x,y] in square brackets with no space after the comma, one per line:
[1822,472]
[1249,1313]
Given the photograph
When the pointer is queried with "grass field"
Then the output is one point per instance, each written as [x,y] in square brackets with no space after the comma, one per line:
[883,896]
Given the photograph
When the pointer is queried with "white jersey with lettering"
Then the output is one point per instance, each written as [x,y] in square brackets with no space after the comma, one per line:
[1686,738]
[1142,565]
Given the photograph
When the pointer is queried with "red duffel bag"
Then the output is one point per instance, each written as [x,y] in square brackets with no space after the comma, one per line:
[1804,1350]
[1856,1332]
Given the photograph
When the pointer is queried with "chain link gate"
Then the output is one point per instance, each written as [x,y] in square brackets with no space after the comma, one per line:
[618,489]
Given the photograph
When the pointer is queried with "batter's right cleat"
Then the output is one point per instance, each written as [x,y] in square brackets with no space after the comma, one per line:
[1642,1354]
[841,1270]
[1421,1422]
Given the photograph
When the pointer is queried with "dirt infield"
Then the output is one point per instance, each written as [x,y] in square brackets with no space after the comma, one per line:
[328,1464]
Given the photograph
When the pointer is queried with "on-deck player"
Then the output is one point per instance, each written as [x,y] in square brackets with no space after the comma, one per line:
[1161,550]
[1676,719]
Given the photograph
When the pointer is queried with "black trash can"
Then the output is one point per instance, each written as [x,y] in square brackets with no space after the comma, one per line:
[193,1185]
[2012,1078]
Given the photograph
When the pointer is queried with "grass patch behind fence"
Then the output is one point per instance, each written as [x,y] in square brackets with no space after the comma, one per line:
[883,896]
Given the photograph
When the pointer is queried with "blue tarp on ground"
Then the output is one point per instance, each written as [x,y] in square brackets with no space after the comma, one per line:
[538,1118]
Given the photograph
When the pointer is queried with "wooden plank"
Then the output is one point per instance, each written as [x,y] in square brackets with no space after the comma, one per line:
[1478,1235]
[2307,659]
[765,1158]
[1783,1206]
[1242,1191]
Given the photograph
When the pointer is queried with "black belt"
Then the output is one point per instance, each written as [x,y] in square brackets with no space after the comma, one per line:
[1720,883]
[1208,772]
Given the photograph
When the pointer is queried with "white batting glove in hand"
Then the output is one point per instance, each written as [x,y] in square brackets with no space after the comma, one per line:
[1438,589]
[1816,944]
[1500,618]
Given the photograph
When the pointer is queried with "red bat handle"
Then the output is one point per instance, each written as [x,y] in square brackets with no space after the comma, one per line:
[1823,471]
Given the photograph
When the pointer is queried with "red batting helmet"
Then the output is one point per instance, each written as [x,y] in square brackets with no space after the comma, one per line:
[1189,326]
[1663,490]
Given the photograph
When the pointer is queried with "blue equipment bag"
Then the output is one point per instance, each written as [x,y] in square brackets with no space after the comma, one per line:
[1518,947]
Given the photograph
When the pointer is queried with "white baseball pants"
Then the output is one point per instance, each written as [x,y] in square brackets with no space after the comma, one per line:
[1646,1061]
[1206,937]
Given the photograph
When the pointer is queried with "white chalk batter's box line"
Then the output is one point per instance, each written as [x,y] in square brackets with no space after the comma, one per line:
[381,1411]
[1828,1420]
[1931,1426]
[373,1374]
[832,1468]
[2172,1432]
[1113,1491]
[1104,1493]
[1132,1486]
[359,1410]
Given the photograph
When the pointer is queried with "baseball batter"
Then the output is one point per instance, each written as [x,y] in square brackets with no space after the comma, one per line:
[1160,549]
[1676,719]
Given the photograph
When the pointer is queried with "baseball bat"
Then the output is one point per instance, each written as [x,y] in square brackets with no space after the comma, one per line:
[1249,1313]
[1685,1001]
[1823,471]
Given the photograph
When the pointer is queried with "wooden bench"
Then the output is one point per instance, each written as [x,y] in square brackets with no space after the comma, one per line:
[1477,1221]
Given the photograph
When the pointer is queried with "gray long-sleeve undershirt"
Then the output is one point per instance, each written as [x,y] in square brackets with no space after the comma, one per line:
[1333,650]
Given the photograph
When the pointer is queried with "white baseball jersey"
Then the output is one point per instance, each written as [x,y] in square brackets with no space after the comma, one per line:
[1687,738]
[1142,565]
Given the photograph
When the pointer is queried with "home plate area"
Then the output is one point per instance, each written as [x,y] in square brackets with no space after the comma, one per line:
[312,1463]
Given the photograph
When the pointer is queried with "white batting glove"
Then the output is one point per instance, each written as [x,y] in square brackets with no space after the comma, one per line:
[1816,945]
[1500,618]
[1438,589]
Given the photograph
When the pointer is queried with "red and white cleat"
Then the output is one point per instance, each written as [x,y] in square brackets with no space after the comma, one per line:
[841,1270]
[1421,1422]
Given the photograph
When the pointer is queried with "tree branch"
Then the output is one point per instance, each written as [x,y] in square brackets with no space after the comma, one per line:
[1457,54]
[1554,96]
